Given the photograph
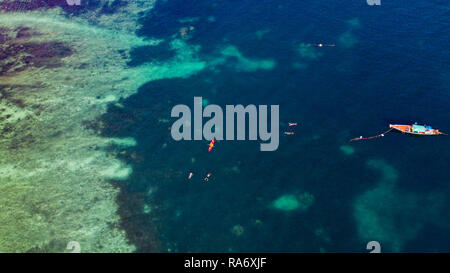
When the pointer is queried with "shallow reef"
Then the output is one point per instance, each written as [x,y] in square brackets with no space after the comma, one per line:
[308,51]
[61,71]
[347,149]
[392,216]
[246,64]
[347,40]
[290,202]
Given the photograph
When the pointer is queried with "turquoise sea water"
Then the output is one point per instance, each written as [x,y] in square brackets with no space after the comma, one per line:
[390,64]
[317,193]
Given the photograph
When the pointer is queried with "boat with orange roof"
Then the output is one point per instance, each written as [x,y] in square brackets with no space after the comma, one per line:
[415,129]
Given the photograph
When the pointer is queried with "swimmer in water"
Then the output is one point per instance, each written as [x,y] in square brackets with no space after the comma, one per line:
[292,123]
[191,174]
[207,176]
[322,45]
[288,133]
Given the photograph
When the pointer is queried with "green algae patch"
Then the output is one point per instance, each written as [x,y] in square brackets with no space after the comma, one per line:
[290,202]
[117,171]
[244,63]
[286,202]
[305,200]
[354,22]
[347,40]
[124,142]
[388,172]
[237,230]
[189,20]
[347,150]
[307,51]
[261,33]
[147,209]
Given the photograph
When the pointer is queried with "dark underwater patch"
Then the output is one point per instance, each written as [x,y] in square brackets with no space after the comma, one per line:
[18,54]
[109,8]
[145,54]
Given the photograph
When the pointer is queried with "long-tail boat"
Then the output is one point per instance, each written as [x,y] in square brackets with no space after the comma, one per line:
[415,129]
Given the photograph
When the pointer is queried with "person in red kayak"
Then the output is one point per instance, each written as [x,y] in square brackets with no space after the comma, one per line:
[211,145]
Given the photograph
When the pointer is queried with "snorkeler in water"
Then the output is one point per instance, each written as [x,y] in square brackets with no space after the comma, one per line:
[288,133]
[207,177]
[322,45]
[292,123]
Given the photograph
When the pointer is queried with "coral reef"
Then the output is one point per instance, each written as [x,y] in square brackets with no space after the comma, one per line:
[347,150]
[391,216]
[61,71]
[244,63]
[308,51]
[290,202]
[237,230]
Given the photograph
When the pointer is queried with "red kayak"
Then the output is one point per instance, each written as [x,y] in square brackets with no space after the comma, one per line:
[211,145]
